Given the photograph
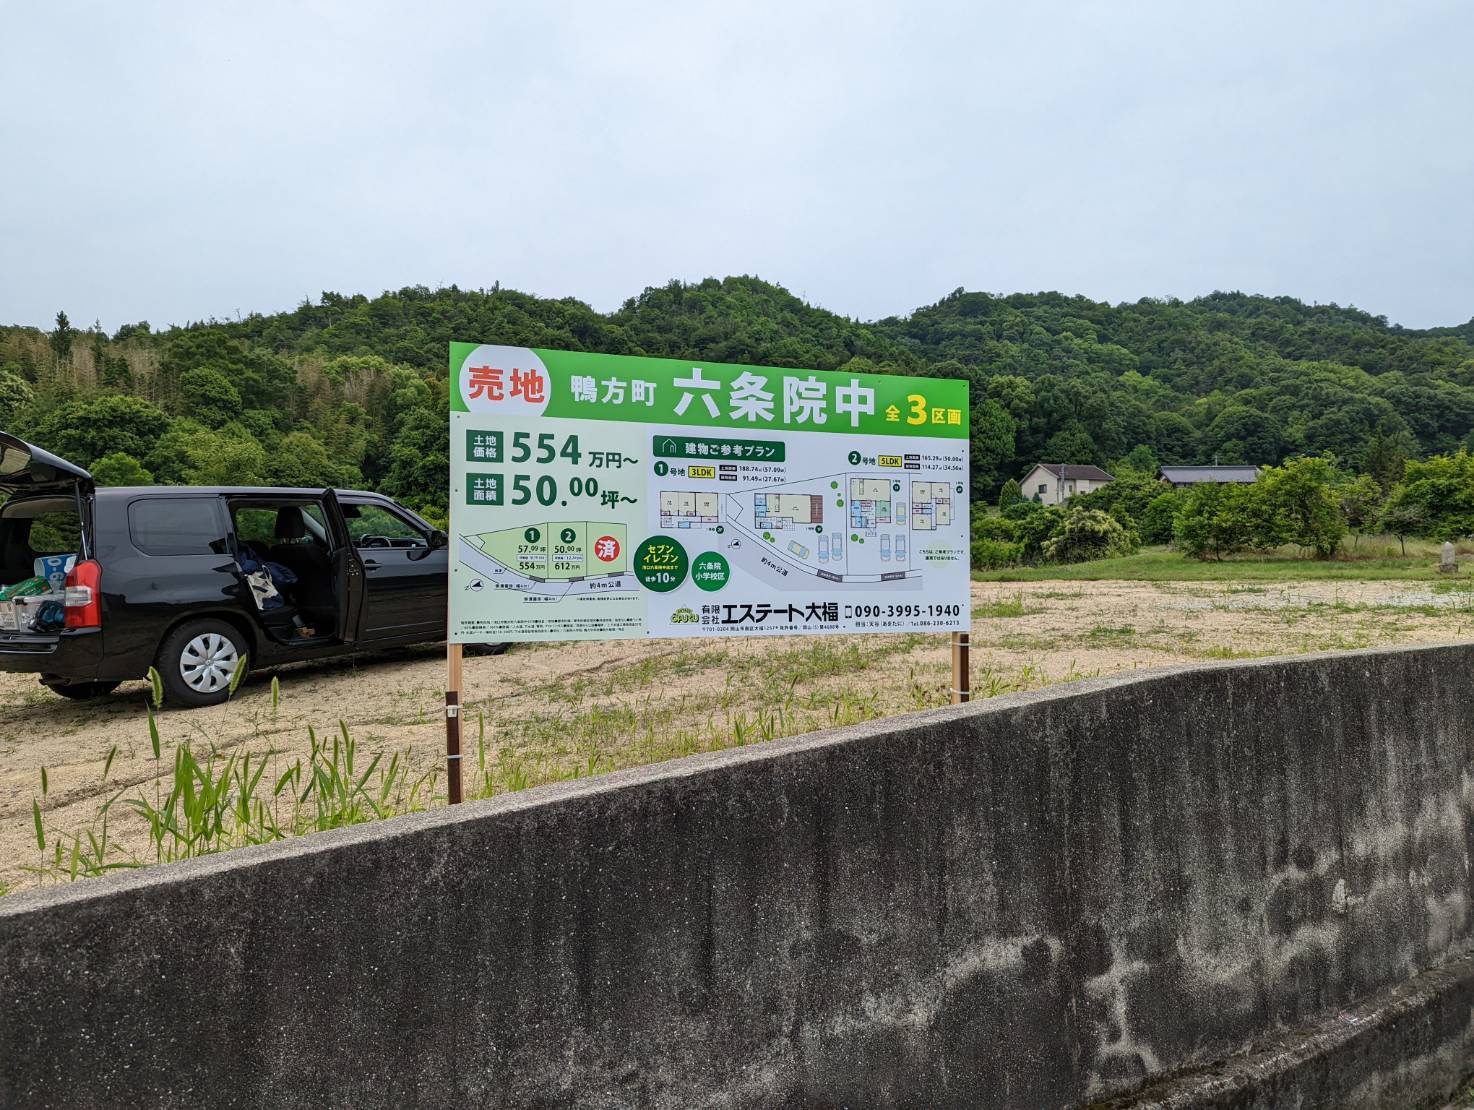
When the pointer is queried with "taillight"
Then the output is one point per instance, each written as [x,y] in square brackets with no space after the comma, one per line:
[83,602]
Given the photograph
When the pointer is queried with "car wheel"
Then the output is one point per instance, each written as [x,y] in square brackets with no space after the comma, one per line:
[488,649]
[81,691]
[198,660]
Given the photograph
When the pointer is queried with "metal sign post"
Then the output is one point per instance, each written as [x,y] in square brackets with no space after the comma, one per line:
[961,669]
[454,678]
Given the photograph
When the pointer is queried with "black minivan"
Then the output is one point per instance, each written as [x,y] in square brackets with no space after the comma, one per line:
[97,585]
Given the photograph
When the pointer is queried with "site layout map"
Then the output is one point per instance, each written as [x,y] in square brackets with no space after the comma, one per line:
[603,497]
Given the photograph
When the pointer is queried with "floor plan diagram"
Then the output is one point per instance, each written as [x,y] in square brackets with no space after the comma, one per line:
[931,506]
[870,502]
[787,510]
[861,528]
[688,509]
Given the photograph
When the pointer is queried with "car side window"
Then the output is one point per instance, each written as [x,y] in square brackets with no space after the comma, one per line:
[176,526]
[256,524]
[378,526]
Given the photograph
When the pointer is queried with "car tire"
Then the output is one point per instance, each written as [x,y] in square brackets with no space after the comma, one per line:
[81,691]
[488,649]
[197,661]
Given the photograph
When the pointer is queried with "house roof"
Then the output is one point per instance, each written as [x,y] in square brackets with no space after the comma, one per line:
[1192,475]
[1076,471]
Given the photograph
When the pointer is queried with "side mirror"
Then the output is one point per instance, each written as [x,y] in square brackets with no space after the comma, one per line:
[438,539]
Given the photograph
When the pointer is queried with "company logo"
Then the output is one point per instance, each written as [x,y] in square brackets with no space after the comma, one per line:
[684,615]
[606,549]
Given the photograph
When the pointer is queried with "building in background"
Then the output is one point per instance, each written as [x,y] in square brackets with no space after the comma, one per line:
[1056,483]
[1179,477]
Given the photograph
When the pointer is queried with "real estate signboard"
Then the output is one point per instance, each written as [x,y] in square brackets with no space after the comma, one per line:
[602,497]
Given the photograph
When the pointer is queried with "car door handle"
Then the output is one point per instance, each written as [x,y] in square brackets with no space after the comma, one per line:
[370,564]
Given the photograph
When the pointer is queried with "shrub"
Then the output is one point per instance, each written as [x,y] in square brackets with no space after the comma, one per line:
[991,554]
[1126,498]
[1086,534]
[1033,523]
[1435,498]
[1300,506]
[1215,520]
[1160,517]
[1011,494]
[993,543]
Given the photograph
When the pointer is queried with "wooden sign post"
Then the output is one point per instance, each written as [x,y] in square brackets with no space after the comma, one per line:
[598,497]
[454,678]
[961,670]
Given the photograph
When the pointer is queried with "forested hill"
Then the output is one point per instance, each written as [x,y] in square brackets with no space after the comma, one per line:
[351,390]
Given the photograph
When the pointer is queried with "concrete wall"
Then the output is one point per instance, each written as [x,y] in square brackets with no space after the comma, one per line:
[1023,903]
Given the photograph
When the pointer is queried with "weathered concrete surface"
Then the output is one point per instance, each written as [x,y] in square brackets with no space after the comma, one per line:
[1030,902]
[1398,1048]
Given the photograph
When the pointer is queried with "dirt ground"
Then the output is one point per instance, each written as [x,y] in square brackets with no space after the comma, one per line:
[544,712]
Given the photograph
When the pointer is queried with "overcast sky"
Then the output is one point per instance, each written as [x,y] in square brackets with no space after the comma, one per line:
[176,161]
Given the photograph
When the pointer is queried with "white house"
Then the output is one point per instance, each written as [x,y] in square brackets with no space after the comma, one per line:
[1055,483]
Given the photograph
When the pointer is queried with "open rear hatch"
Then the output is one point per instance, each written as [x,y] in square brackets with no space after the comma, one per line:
[27,469]
[43,540]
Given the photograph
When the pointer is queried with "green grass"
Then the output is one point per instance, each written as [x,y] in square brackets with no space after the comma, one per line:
[1223,651]
[1005,607]
[211,802]
[208,803]
[1160,564]
[202,799]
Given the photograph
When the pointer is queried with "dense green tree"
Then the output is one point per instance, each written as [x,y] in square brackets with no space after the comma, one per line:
[1385,454]
[1010,494]
[62,337]
[1160,518]
[15,395]
[191,454]
[113,372]
[208,396]
[300,460]
[1241,434]
[1126,499]
[1141,459]
[991,447]
[419,460]
[993,542]
[120,469]
[1403,514]
[1071,445]
[1300,499]
[139,330]
[261,379]
[83,431]
[1360,499]
[1174,438]
[1435,498]
[1014,394]
[1032,525]
[1218,519]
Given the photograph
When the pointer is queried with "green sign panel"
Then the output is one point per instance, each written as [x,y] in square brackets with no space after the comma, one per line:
[600,497]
